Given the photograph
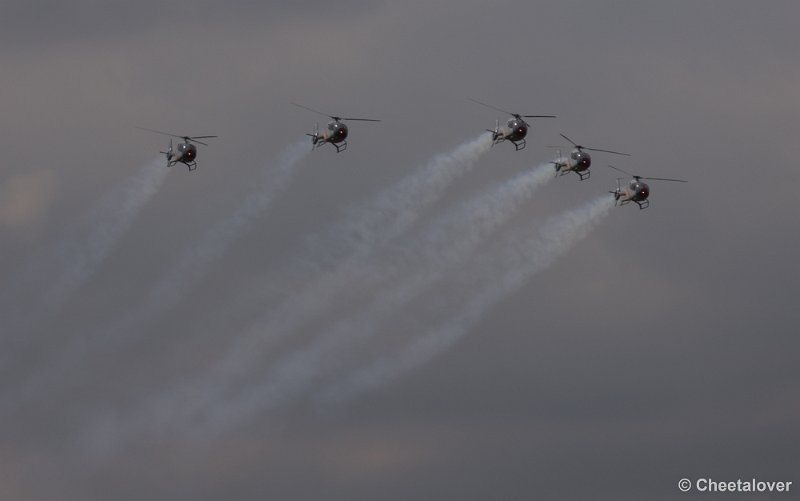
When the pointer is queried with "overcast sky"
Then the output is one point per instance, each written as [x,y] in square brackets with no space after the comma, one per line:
[419,316]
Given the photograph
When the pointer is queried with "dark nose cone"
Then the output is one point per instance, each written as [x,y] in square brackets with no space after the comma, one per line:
[517,129]
[582,159]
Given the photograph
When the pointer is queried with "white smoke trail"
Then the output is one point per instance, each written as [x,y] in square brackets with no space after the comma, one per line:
[380,219]
[422,262]
[108,222]
[396,209]
[384,217]
[52,276]
[505,273]
[196,261]
[190,269]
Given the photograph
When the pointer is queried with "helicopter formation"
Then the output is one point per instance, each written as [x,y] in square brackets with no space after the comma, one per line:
[514,131]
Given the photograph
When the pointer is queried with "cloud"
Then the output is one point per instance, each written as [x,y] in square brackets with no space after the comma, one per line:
[26,198]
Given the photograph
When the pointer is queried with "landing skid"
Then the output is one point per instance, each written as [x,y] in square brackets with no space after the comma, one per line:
[192,165]
[583,175]
[318,142]
[518,145]
[617,203]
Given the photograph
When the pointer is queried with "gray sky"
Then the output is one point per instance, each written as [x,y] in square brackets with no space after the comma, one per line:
[180,336]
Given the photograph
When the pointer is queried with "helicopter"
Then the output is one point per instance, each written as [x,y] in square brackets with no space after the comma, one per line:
[578,161]
[636,191]
[514,131]
[336,132]
[185,152]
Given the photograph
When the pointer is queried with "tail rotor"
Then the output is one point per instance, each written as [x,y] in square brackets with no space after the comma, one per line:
[315,136]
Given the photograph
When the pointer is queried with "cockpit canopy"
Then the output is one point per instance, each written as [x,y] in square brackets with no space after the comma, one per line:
[581,158]
[640,190]
[187,148]
[337,128]
[517,128]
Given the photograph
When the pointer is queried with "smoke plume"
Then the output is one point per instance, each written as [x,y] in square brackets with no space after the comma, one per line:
[349,243]
[509,268]
[108,223]
[411,269]
[50,278]
[186,273]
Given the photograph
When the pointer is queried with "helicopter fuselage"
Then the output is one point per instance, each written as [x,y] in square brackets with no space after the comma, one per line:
[514,130]
[336,132]
[185,153]
[635,191]
[578,162]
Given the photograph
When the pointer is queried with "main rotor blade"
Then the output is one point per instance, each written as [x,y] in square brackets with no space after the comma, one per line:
[648,178]
[491,107]
[607,151]
[185,138]
[666,179]
[539,116]
[623,171]
[194,139]
[571,141]
[361,119]
[313,110]
[160,132]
